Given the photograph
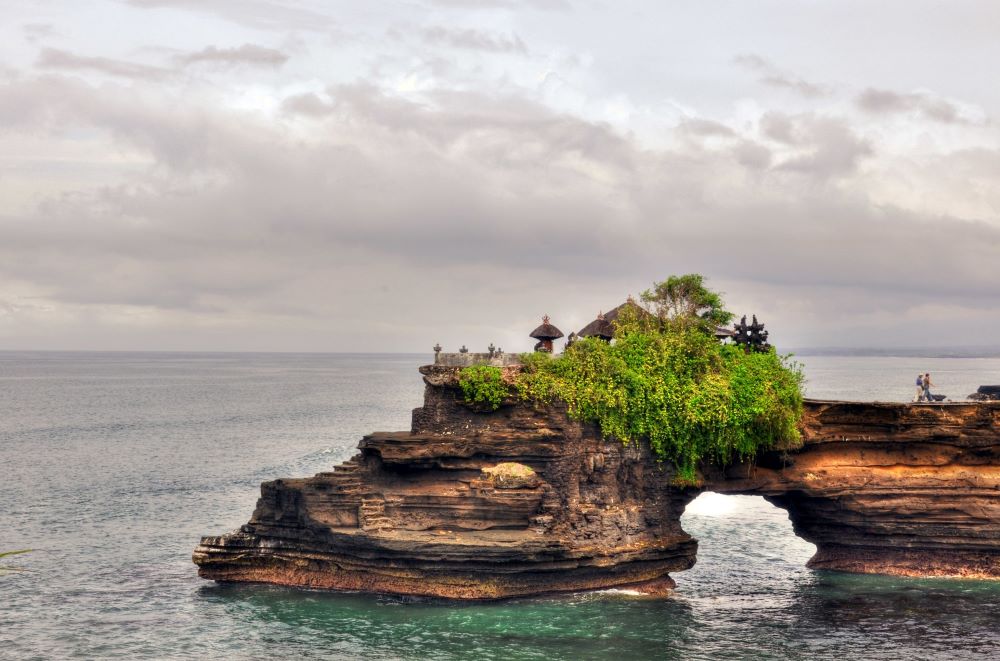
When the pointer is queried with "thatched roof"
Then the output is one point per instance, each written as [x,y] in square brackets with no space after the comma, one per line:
[721,332]
[599,327]
[612,315]
[546,331]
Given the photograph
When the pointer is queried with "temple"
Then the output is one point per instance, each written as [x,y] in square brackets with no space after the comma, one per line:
[545,334]
[475,503]
[600,328]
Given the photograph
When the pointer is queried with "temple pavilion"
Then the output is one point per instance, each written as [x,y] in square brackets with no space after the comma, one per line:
[545,334]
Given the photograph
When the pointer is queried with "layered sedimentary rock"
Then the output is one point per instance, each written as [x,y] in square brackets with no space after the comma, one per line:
[882,488]
[414,512]
[888,488]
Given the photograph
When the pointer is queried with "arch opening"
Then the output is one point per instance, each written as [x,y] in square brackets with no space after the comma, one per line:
[743,539]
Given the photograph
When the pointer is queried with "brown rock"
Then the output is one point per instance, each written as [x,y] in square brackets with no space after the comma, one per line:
[888,488]
[511,475]
[879,488]
[534,503]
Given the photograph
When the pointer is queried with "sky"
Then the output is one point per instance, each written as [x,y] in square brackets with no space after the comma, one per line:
[255,175]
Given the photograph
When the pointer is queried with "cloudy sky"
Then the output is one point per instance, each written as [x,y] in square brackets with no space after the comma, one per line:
[311,175]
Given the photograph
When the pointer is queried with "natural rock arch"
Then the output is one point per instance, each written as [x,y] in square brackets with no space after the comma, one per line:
[879,488]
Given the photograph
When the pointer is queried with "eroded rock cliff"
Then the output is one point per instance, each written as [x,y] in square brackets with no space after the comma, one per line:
[414,513]
[889,488]
[883,488]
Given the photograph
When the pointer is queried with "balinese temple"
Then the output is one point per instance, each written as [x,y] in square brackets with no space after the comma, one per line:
[612,315]
[545,334]
[722,333]
[599,327]
[603,327]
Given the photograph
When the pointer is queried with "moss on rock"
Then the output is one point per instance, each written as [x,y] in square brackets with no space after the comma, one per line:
[511,475]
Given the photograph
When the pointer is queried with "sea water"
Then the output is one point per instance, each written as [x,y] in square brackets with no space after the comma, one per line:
[112,465]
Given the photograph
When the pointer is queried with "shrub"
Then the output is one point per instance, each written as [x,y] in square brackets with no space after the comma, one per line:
[483,384]
[673,385]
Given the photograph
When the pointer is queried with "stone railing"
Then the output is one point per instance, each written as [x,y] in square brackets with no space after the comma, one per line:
[467,359]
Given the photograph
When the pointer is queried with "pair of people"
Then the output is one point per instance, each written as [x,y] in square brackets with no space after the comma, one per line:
[924,388]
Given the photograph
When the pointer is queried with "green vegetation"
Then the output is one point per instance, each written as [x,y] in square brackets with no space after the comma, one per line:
[483,384]
[686,299]
[667,380]
[5,554]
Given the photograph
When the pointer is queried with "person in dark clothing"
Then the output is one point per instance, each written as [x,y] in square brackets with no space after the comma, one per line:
[927,387]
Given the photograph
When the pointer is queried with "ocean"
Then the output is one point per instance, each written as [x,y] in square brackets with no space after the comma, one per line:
[113,465]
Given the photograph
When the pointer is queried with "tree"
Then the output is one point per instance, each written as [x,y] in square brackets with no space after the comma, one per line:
[668,382]
[685,298]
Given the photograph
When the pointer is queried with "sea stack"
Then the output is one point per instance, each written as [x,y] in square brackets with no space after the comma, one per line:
[879,488]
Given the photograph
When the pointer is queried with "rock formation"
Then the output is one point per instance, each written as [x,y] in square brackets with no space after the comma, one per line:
[879,488]
[415,513]
[985,394]
[906,489]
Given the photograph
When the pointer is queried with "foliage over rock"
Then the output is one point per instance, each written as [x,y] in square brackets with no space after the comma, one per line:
[483,385]
[666,379]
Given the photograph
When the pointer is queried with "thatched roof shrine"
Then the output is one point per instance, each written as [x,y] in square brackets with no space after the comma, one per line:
[612,315]
[599,327]
[546,331]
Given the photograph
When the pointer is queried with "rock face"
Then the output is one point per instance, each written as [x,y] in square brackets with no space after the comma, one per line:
[889,488]
[414,513]
[880,488]
[986,394]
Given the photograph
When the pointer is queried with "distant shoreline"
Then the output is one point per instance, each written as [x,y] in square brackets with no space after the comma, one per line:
[899,352]
[847,352]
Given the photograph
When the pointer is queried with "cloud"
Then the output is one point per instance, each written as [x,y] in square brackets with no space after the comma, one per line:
[474,40]
[543,5]
[266,14]
[770,75]
[245,55]
[705,127]
[823,147]
[412,213]
[778,127]
[752,155]
[35,32]
[53,58]
[308,104]
[887,102]
[414,185]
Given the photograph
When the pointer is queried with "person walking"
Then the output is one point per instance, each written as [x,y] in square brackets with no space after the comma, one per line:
[920,388]
[927,387]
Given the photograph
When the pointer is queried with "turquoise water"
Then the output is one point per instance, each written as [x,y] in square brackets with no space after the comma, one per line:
[113,466]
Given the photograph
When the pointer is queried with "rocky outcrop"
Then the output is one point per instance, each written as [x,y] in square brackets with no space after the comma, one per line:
[985,394]
[888,488]
[885,488]
[416,513]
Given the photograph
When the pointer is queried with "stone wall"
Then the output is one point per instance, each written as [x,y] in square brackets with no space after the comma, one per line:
[443,359]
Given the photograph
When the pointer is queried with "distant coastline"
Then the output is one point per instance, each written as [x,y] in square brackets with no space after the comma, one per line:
[974,351]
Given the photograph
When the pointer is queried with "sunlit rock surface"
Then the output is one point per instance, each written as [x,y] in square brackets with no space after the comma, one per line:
[880,488]
[889,488]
